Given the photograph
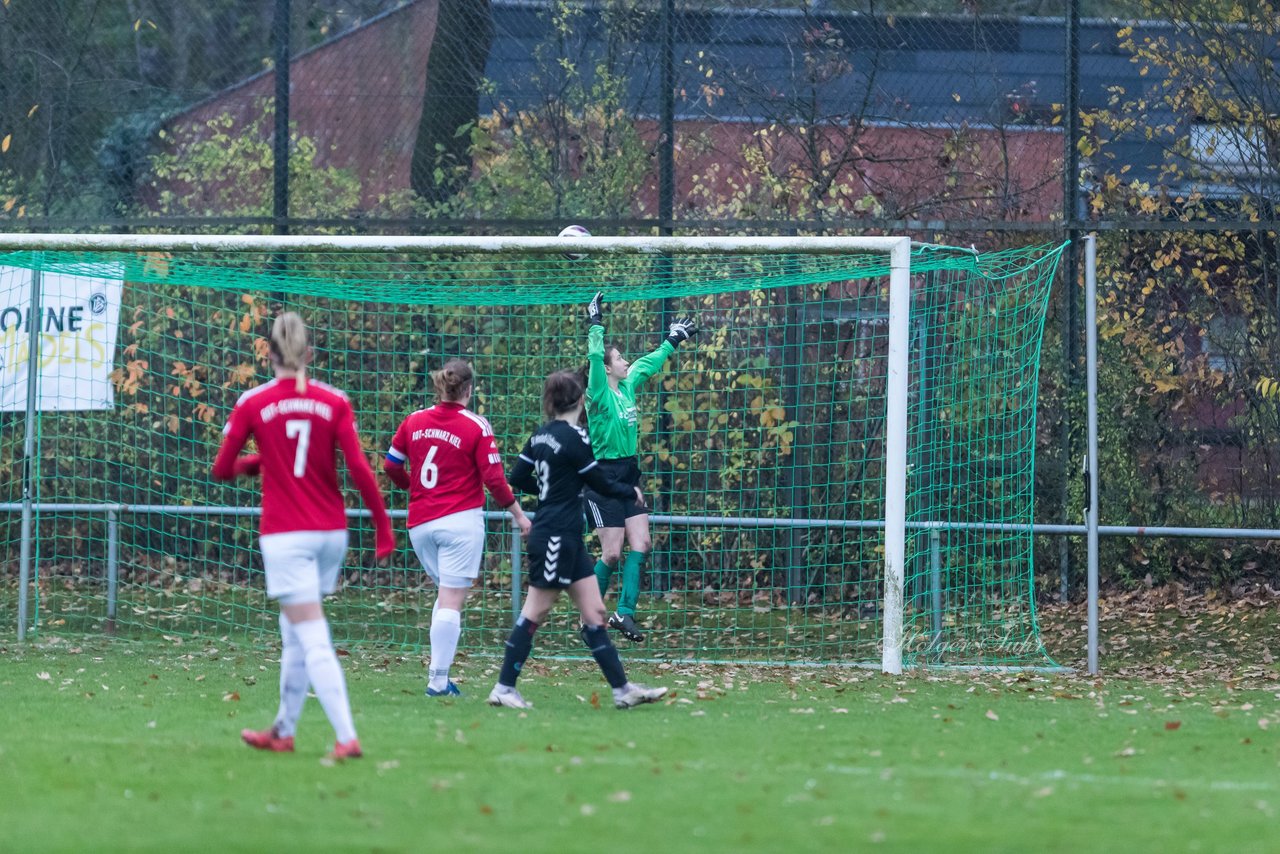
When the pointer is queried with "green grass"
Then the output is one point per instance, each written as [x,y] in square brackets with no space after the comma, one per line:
[127,745]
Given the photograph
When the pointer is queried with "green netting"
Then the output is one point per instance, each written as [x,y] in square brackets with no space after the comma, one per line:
[762,443]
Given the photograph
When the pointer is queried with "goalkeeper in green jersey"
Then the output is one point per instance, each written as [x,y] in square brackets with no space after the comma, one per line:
[614,426]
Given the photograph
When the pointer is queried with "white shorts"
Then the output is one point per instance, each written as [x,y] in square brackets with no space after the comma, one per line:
[450,547]
[302,566]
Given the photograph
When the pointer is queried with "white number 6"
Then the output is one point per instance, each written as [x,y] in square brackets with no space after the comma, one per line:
[429,472]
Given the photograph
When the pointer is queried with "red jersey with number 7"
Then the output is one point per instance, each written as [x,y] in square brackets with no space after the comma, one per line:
[452,455]
[298,437]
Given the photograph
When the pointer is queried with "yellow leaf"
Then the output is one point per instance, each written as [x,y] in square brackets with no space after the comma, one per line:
[155,263]
[4,143]
[8,205]
[31,112]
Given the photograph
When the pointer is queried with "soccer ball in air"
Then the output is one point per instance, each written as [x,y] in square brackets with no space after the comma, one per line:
[573,232]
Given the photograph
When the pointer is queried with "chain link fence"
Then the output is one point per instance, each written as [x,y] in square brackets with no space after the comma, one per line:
[964,122]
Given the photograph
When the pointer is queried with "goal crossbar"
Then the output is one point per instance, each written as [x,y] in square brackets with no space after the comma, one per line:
[447,244]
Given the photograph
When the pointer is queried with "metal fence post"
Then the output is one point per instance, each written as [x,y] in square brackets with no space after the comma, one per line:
[515,573]
[29,449]
[1091,379]
[113,566]
[935,584]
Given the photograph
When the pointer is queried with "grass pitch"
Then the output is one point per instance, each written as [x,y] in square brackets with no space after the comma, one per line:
[134,746]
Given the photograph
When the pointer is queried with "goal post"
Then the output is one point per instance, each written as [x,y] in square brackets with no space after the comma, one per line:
[841,462]
[895,479]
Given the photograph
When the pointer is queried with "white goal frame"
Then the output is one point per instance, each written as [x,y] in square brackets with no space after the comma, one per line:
[898,250]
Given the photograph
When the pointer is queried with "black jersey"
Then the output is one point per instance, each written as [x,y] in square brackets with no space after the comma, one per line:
[555,463]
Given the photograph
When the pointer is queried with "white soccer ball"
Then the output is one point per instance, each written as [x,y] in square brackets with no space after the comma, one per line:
[574,232]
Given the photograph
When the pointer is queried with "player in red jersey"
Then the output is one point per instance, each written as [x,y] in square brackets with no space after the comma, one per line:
[298,424]
[453,457]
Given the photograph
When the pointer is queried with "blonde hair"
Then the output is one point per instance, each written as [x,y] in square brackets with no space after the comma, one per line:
[452,380]
[289,346]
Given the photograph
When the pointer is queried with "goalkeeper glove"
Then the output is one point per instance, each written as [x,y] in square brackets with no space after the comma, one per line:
[595,309]
[682,329]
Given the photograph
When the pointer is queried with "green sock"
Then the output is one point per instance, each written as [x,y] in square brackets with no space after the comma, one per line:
[631,568]
[603,574]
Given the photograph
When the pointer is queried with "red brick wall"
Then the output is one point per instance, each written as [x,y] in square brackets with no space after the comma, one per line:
[363,116]
[904,167]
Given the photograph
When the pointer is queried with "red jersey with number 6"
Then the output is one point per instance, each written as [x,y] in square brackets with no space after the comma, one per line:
[298,436]
[452,456]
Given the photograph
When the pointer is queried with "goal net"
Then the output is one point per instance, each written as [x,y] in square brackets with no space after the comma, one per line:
[839,466]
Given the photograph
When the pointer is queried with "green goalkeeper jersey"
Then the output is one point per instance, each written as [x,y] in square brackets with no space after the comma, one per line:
[611,416]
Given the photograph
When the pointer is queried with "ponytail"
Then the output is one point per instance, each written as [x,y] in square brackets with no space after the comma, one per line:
[452,380]
[289,346]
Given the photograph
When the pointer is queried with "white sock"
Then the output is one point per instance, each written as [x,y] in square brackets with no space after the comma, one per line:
[293,680]
[325,675]
[446,628]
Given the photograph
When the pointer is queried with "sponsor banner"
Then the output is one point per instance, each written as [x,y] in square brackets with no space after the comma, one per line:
[79,318]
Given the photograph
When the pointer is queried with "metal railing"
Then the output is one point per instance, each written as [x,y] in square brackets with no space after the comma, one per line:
[934,594]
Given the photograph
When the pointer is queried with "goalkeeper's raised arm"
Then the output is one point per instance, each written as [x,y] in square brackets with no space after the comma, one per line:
[614,424]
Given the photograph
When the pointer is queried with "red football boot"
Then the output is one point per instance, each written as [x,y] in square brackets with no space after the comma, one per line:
[268,739]
[346,750]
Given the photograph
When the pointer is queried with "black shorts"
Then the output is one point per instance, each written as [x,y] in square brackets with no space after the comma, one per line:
[604,511]
[557,560]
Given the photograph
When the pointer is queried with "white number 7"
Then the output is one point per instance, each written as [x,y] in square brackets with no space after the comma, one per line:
[300,429]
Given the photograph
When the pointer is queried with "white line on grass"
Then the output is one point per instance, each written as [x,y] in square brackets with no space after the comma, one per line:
[1055,776]
[891,772]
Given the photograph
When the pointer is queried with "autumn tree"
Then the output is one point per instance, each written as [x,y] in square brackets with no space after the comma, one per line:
[571,145]
[1190,318]
[835,140]
[86,86]
[451,103]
